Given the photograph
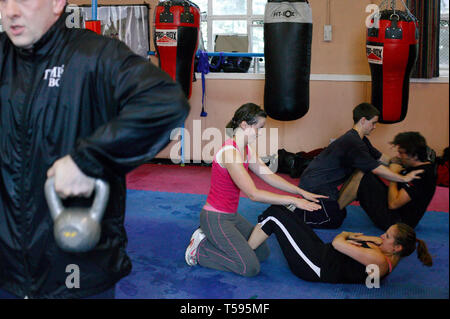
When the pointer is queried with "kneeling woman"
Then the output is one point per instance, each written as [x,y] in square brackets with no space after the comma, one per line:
[345,259]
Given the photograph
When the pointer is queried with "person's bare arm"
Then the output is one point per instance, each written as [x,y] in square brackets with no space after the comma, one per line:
[363,255]
[262,171]
[384,159]
[386,173]
[396,197]
[232,161]
[373,239]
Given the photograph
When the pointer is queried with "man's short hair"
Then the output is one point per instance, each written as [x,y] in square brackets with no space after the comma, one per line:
[413,143]
[366,110]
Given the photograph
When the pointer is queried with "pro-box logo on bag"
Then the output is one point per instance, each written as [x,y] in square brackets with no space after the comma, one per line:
[53,76]
[166,38]
[375,54]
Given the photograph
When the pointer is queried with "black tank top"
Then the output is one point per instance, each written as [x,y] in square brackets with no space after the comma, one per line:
[340,268]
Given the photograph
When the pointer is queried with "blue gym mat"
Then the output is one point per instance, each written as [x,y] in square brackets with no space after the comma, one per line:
[159,226]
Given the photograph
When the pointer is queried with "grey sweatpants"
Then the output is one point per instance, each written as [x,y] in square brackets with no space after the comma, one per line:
[225,246]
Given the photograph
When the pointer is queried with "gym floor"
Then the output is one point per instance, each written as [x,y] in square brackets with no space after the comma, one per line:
[163,206]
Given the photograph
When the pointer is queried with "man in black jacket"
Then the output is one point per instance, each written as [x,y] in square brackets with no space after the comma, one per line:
[75,106]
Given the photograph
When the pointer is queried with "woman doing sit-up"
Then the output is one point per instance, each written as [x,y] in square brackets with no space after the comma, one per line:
[345,259]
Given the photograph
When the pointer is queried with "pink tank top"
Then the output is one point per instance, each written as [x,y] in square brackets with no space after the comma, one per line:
[223,193]
[389,263]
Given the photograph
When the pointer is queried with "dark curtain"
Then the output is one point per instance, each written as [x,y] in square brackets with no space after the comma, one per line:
[428,12]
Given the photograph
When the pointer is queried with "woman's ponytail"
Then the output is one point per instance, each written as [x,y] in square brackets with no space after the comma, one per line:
[406,237]
[423,254]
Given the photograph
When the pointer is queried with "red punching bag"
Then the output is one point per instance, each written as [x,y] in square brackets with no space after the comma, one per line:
[392,52]
[177,24]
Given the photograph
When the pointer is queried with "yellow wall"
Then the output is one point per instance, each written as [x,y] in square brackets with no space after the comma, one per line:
[331,102]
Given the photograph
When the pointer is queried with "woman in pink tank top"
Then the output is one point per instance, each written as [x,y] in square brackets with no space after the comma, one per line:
[221,241]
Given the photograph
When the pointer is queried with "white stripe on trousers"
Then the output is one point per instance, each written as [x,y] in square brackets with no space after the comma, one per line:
[293,243]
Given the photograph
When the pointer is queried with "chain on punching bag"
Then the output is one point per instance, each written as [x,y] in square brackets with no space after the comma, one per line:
[392,45]
[177,24]
[287,51]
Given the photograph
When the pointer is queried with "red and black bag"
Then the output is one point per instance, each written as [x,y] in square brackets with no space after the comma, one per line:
[176,31]
[392,48]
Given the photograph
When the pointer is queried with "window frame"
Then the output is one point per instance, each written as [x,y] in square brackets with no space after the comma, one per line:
[443,68]
[209,18]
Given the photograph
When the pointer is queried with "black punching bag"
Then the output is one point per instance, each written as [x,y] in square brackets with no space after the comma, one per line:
[287,51]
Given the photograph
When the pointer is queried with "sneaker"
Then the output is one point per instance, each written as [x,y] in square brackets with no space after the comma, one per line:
[191,250]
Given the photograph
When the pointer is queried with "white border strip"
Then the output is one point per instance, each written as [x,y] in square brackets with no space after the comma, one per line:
[313,77]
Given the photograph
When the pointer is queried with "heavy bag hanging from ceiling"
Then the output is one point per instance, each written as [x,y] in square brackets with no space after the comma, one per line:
[287,52]
[177,24]
[392,46]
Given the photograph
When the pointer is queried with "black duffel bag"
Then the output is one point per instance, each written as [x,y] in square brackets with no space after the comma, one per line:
[230,64]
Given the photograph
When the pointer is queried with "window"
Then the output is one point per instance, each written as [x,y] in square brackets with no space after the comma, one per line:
[234,17]
[128,23]
[443,40]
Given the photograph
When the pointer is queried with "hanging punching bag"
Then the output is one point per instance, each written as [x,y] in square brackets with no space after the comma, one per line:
[287,51]
[392,52]
[177,24]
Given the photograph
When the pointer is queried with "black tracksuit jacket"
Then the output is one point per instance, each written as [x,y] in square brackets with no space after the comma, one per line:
[89,96]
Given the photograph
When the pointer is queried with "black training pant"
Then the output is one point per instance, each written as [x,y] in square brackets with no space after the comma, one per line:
[328,217]
[302,248]
[373,198]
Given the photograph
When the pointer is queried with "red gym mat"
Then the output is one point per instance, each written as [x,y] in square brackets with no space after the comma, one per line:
[196,179]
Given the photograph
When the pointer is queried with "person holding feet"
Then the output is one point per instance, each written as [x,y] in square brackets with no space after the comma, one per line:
[336,164]
[221,241]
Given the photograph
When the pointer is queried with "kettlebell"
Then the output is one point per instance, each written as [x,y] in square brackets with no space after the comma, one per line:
[77,229]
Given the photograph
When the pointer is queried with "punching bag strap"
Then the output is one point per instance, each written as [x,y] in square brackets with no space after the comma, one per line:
[393,5]
[166,16]
[409,12]
[186,16]
[203,67]
[394,32]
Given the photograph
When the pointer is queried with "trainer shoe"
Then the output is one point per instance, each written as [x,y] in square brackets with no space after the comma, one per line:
[191,250]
